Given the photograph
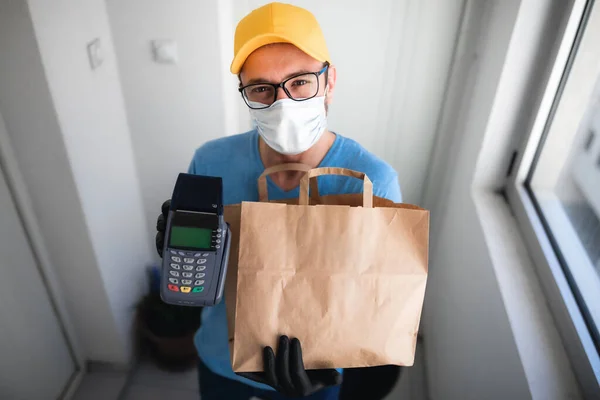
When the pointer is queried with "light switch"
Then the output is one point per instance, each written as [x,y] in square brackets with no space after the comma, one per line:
[165,51]
[94,50]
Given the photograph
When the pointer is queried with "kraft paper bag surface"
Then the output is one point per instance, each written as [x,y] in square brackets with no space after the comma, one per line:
[345,274]
[231,213]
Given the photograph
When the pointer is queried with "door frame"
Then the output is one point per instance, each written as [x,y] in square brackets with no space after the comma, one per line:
[16,185]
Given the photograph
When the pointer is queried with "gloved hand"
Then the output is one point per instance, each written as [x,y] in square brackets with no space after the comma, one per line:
[286,374]
[161,227]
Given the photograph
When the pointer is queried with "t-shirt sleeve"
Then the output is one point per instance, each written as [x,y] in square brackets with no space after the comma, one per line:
[391,190]
[192,167]
[195,166]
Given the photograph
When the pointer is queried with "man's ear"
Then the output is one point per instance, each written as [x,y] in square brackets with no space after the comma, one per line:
[331,80]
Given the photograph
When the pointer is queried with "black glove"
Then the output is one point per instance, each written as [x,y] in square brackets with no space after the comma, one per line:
[286,374]
[161,227]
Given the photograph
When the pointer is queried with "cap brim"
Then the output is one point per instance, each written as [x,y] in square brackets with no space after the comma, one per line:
[262,40]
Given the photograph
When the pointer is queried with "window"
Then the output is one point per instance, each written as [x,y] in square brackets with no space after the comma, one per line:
[564,185]
[555,192]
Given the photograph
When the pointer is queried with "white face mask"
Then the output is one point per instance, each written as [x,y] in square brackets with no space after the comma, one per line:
[291,127]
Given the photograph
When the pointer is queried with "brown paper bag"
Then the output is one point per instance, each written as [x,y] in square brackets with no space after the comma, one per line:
[232,216]
[347,281]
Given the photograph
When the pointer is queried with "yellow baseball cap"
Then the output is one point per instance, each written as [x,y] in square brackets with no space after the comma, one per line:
[278,23]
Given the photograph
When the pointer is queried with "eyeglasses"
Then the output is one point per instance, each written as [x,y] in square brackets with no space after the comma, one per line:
[299,88]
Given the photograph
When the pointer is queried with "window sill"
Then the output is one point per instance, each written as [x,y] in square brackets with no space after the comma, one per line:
[548,373]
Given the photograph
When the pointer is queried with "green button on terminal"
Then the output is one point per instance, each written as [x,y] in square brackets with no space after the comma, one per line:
[198,289]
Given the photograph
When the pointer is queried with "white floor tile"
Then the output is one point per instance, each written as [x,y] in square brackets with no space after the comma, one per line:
[148,374]
[140,392]
[101,386]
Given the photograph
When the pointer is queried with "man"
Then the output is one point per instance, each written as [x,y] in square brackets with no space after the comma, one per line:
[287,81]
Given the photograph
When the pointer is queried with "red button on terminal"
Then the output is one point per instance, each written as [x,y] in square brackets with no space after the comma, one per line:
[174,288]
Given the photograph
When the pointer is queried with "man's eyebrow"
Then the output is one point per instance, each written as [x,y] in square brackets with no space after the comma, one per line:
[263,80]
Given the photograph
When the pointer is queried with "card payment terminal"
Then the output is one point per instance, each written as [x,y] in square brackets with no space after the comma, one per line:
[197,239]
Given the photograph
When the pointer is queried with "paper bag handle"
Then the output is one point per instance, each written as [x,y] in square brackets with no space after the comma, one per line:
[263,194]
[313,173]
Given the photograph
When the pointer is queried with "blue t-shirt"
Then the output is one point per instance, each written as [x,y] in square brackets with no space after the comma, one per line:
[236,159]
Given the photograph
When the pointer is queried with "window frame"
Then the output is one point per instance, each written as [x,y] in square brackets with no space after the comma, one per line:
[570,321]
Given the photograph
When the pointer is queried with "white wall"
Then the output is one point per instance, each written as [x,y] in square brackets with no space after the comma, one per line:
[91,114]
[69,130]
[470,351]
[392,57]
[172,108]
